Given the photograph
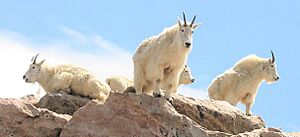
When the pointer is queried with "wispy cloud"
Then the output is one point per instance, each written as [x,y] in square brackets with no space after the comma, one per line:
[93,41]
[73,34]
[17,50]
[110,47]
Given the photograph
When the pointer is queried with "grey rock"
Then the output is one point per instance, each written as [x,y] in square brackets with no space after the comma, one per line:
[62,103]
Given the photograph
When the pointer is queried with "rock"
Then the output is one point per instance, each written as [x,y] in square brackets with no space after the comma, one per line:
[294,134]
[19,117]
[131,115]
[62,103]
[264,132]
[217,115]
[30,99]
[128,115]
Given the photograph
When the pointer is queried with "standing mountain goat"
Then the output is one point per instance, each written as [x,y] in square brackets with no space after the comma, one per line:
[166,52]
[120,84]
[68,78]
[241,82]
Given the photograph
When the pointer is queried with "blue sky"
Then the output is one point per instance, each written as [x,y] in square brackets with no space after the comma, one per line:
[102,36]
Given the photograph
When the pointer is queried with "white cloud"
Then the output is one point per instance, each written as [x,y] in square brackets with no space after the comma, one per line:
[14,58]
[193,92]
[16,52]
[104,60]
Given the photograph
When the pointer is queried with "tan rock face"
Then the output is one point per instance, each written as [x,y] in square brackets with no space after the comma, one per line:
[217,115]
[294,134]
[19,118]
[32,99]
[264,132]
[131,115]
[125,115]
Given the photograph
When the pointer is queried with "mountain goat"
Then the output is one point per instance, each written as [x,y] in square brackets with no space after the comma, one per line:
[240,83]
[69,78]
[167,51]
[120,84]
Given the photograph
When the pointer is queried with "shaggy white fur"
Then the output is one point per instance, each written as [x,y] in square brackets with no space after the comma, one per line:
[67,78]
[241,82]
[167,51]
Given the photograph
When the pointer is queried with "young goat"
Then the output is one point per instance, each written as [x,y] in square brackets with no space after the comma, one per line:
[120,84]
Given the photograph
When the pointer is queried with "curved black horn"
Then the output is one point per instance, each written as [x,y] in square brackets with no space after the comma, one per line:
[184,19]
[34,60]
[273,56]
[194,18]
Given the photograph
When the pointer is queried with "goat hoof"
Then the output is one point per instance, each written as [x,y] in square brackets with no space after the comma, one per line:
[249,114]
[71,92]
[157,95]
[170,100]
[138,93]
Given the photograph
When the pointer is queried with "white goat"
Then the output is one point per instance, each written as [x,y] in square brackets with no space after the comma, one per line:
[68,78]
[241,82]
[120,84]
[167,51]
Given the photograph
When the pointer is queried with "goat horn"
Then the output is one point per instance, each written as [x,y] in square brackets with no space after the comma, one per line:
[273,56]
[35,58]
[184,19]
[191,25]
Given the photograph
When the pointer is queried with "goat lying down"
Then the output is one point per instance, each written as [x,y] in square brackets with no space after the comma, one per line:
[67,78]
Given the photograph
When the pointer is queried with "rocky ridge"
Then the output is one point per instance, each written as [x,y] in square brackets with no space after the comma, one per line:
[63,115]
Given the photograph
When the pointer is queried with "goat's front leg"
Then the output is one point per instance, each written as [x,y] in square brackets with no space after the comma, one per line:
[248,101]
[157,83]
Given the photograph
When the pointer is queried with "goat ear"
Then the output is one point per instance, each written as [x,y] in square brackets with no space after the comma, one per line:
[196,25]
[270,61]
[42,62]
[179,22]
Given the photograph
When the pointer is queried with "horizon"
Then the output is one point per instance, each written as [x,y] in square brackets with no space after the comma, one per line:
[102,37]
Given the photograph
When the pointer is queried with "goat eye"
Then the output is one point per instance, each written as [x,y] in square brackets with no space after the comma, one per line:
[186,71]
[272,66]
[182,30]
[33,67]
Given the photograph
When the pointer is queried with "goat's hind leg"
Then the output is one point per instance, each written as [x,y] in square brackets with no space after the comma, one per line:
[138,79]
